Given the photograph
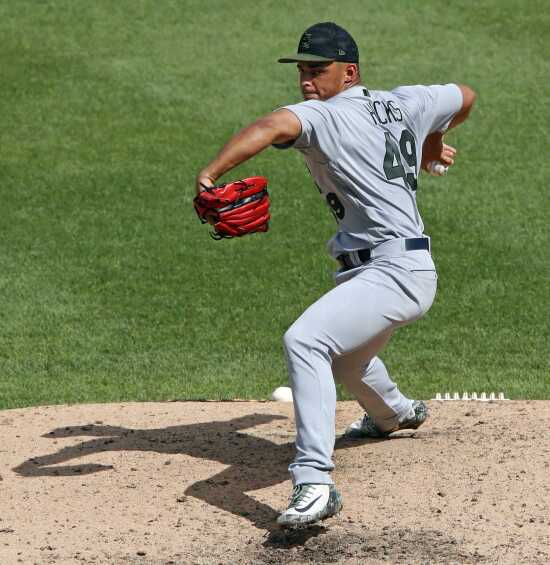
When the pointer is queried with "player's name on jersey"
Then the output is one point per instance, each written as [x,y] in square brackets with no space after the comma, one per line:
[383,113]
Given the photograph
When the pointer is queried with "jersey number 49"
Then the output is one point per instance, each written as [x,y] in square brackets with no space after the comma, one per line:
[393,165]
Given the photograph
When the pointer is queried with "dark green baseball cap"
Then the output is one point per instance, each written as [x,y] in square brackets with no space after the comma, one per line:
[326,41]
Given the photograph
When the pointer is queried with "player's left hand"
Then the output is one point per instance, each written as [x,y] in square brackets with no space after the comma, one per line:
[203,182]
[235,208]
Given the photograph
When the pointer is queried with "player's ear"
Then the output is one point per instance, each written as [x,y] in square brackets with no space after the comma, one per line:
[351,73]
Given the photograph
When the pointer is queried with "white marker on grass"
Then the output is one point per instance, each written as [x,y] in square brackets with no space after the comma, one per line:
[282,394]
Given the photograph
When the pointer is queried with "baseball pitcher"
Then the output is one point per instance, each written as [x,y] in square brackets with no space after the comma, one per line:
[364,149]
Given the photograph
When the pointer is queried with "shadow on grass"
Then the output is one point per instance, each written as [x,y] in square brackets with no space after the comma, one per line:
[253,463]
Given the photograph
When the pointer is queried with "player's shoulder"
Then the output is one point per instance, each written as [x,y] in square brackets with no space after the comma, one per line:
[423,92]
[327,109]
[357,92]
[364,94]
[308,107]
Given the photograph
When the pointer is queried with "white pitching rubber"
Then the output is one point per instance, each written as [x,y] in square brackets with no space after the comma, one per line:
[482,397]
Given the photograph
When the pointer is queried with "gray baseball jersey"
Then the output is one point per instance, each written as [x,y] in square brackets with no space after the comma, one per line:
[363,149]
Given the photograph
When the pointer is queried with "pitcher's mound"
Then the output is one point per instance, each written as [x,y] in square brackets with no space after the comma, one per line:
[202,482]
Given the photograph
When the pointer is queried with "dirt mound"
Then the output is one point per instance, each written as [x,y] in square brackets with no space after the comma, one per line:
[202,482]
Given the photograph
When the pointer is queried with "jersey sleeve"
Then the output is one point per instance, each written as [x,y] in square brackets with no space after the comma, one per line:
[313,118]
[431,108]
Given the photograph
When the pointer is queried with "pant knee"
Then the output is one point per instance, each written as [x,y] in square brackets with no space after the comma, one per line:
[301,343]
[294,339]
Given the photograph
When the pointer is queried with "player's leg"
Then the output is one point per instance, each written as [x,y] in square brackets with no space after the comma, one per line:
[365,376]
[348,318]
[386,408]
[361,311]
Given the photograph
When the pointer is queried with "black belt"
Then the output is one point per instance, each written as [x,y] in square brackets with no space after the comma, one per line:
[364,255]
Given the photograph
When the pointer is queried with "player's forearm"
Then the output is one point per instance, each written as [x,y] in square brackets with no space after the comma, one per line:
[279,127]
[242,146]
[433,148]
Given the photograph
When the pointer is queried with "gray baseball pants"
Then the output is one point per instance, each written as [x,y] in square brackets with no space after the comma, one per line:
[339,336]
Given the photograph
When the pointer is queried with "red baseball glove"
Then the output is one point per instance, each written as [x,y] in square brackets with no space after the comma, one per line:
[235,208]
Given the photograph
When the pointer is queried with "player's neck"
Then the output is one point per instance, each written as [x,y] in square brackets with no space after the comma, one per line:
[356,82]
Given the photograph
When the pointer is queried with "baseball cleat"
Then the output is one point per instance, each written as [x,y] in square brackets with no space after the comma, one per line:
[365,427]
[310,503]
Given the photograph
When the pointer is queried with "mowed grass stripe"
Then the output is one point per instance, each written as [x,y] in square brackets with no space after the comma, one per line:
[111,288]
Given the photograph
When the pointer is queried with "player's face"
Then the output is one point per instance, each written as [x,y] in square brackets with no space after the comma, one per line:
[320,81]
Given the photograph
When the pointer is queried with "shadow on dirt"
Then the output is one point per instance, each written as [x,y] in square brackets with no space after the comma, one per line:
[253,462]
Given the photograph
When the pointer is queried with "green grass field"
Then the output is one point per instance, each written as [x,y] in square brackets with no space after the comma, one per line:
[112,290]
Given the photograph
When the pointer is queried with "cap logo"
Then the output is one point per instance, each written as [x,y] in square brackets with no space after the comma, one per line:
[341,52]
[306,41]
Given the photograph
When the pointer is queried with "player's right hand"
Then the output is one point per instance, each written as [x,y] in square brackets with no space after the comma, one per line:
[433,149]
[447,156]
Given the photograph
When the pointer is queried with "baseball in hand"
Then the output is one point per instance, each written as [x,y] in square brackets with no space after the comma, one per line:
[282,394]
[437,168]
